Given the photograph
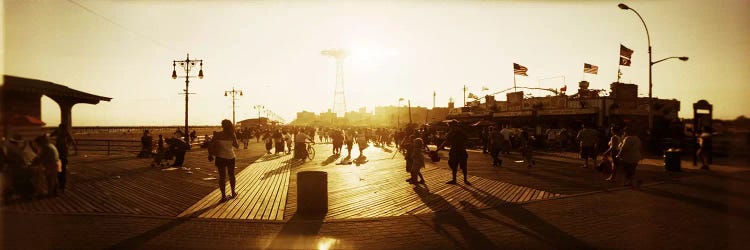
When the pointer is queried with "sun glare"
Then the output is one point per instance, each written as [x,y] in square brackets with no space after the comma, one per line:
[371,56]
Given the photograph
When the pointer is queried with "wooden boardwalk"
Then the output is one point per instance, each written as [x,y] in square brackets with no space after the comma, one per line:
[267,188]
[262,192]
[378,188]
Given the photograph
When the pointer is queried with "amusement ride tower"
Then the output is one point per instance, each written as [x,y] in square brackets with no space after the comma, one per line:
[339,100]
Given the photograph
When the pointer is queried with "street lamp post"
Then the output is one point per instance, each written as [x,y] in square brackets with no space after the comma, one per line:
[233,93]
[187,64]
[650,65]
[398,113]
[259,108]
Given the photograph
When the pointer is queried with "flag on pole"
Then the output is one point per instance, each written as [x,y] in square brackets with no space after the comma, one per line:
[519,70]
[564,88]
[473,96]
[485,88]
[591,69]
[625,55]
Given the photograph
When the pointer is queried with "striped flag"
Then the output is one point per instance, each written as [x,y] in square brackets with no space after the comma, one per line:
[625,55]
[519,70]
[590,69]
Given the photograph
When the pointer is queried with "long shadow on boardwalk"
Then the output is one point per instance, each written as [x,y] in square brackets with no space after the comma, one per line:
[471,236]
[140,239]
[546,232]
[300,232]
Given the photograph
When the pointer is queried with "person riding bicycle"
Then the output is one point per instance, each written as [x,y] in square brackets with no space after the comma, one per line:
[300,151]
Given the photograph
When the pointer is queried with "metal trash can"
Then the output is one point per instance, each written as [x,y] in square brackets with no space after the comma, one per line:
[312,192]
[672,159]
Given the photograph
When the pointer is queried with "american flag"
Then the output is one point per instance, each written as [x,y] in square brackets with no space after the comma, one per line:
[590,69]
[519,70]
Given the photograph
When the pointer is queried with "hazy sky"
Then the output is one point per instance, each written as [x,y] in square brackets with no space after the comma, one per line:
[271,51]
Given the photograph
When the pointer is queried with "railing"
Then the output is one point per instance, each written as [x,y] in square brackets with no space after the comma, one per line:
[122,146]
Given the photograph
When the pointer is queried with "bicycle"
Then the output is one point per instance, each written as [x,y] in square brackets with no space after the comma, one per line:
[310,150]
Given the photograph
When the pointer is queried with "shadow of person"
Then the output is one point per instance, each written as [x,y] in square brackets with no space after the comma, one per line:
[546,232]
[300,232]
[330,159]
[283,167]
[446,215]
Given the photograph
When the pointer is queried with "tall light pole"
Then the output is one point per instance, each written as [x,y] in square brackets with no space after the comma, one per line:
[259,108]
[233,93]
[398,113]
[187,64]
[650,63]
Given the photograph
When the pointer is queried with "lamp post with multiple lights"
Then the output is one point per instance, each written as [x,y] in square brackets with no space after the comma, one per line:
[234,94]
[187,64]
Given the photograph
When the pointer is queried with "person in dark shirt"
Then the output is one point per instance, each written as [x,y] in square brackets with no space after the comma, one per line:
[457,156]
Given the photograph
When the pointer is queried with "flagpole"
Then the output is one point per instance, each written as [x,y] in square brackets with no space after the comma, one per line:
[514,82]
[583,75]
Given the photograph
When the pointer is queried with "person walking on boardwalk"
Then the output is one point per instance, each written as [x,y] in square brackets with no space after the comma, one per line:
[268,140]
[527,148]
[222,147]
[457,156]
[362,143]
[63,138]
[496,141]
[50,161]
[612,151]
[630,155]
[278,141]
[349,140]
[705,147]
[588,138]
[417,161]
[300,150]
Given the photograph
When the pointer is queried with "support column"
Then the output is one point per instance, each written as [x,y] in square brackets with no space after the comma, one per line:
[66,116]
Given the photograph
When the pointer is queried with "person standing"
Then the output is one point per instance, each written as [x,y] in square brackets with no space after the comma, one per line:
[268,140]
[507,134]
[362,143]
[50,161]
[349,140]
[588,138]
[630,155]
[417,161]
[527,148]
[457,156]
[146,144]
[496,141]
[222,146]
[288,141]
[705,147]
[63,138]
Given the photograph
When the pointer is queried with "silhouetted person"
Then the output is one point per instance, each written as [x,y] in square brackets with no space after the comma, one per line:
[268,140]
[629,155]
[159,156]
[177,147]
[457,156]
[613,150]
[193,135]
[349,140]
[705,147]
[587,138]
[361,143]
[63,138]
[527,148]
[496,141]
[49,159]
[417,161]
[146,144]
[222,146]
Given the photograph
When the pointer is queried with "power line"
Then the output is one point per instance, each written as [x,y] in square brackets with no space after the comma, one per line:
[156,42]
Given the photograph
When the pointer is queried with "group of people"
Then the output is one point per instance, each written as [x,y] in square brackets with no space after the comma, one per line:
[174,149]
[35,167]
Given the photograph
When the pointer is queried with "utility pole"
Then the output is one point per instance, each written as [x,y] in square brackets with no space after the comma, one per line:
[259,108]
[234,93]
[187,64]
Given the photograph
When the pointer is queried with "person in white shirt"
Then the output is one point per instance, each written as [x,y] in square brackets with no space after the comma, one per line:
[629,155]
[222,146]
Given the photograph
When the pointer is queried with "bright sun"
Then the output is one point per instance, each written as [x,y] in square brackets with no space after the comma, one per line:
[370,56]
